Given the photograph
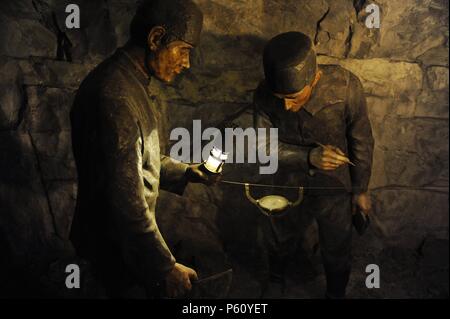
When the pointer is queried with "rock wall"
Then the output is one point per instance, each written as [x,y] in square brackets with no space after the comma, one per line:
[403,67]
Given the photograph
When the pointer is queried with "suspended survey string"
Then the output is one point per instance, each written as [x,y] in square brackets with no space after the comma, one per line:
[440,188]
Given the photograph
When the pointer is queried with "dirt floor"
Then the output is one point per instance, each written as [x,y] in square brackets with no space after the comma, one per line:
[404,273]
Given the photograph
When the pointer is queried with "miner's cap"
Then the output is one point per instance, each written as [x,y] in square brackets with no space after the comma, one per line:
[289,62]
[182,19]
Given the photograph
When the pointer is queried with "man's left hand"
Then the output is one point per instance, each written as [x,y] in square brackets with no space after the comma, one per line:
[195,174]
[362,202]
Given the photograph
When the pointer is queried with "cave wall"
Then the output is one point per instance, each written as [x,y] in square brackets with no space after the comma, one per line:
[403,67]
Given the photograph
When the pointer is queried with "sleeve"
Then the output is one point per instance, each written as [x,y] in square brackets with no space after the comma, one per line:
[132,205]
[173,175]
[359,136]
[290,156]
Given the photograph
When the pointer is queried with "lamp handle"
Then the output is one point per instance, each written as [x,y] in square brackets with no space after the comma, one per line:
[300,197]
[249,196]
[299,200]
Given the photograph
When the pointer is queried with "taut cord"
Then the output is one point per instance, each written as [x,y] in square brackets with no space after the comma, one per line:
[388,187]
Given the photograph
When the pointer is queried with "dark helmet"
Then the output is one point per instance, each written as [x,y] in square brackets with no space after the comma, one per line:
[182,19]
[289,62]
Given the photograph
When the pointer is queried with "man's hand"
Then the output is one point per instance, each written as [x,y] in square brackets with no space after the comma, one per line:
[362,202]
[195,174]
[327,158]
[178,281]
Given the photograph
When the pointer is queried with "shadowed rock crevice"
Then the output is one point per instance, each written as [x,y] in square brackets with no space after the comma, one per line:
[44,186]
[48,20]
[318,28]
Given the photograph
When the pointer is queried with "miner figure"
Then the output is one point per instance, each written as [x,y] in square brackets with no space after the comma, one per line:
[324,129]
[117,119]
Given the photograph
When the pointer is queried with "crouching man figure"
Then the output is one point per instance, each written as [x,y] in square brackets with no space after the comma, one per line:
[115,122]
[321,114]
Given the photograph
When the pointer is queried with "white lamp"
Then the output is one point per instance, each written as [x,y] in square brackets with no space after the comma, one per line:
[215,161]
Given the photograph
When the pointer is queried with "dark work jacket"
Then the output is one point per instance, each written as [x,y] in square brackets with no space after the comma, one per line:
[336,115]
[116,119]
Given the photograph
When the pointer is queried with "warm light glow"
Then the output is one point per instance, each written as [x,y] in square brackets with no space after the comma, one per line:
[216,160]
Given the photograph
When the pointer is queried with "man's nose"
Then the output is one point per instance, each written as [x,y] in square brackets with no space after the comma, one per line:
[186,63]
[287,105]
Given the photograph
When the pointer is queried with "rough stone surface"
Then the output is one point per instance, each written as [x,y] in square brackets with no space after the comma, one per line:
[54,150]
[435,56]
[27,225]
[11,95]
[411,29]
[47,109]
[335,30]
[62,197]
[437,78]
[404,70]
[56,74]
[25,37]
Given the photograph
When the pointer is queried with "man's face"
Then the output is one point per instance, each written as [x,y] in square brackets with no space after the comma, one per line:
[294,102]
[171,59]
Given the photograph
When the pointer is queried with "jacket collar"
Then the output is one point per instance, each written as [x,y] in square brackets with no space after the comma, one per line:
[132,66]
[322,96]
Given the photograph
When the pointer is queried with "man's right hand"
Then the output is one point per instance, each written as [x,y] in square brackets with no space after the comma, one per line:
[178,281]
[327,158]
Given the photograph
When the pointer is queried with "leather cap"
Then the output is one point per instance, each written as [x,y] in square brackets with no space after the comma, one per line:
[289,62]
[182,19]
[190,23]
